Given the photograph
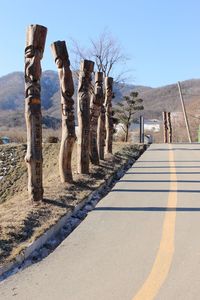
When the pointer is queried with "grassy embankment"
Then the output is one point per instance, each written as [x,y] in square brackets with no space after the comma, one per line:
[22,221]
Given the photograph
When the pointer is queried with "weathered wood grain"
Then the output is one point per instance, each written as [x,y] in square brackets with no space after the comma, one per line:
[61,57]
[83,107]
[95,111]
[35,43]
[109,114]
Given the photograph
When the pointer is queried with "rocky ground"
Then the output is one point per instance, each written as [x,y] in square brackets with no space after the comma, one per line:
[22,221]
[12,170]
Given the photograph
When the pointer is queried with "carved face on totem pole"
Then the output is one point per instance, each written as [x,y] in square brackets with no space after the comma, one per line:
[61,57]
[32,72]
[33,54]
[109,92]
[109,84]
[85,77]
[98,88]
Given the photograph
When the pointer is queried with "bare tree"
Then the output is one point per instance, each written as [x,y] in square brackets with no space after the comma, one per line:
[106,52]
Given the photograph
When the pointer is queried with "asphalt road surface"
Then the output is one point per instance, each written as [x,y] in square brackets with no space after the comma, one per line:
[141,242]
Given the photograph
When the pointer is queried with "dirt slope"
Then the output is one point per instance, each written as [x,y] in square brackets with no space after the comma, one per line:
[21,221]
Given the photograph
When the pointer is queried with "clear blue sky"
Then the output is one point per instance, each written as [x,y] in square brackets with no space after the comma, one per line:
[162,37]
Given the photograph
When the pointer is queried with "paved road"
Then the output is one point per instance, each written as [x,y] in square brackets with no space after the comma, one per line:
[141,242]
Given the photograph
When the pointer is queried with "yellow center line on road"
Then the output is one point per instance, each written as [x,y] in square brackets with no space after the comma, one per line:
[164,256]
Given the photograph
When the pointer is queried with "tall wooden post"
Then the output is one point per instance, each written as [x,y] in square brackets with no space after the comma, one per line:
[165,130]
[169,126]
[101,135]
[184,112]
[141,129]
[83,107]
[109,114]
[61,57]
[95,111]
[35,43]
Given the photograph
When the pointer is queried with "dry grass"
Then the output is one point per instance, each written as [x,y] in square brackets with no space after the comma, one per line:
[18,134]
[21,220]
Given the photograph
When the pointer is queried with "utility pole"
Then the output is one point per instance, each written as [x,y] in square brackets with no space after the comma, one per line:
[184,112]
[141,129]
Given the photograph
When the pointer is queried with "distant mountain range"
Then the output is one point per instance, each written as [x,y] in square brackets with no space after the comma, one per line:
[156,100]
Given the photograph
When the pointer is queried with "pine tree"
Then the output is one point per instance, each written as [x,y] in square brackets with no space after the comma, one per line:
[126,109]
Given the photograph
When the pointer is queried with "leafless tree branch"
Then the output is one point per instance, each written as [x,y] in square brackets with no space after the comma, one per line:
[107,54]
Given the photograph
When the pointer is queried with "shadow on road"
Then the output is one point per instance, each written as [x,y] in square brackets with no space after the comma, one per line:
[167,161]
[153,209]
[153,191]
[165,167]
[187,173]
[173,149]
[155,181]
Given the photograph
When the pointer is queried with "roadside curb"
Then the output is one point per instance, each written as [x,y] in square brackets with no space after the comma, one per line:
[47,242]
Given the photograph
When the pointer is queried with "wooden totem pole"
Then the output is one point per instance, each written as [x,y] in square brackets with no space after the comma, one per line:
[109,114]
[35,43]
[101,131]
[169,126]
[165,129]
[83,107]
[95,111]
[61,57]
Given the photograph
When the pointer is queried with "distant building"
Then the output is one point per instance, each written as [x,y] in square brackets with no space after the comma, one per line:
[149,125]
[152,125]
